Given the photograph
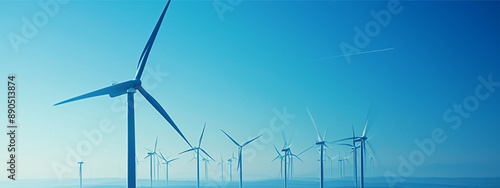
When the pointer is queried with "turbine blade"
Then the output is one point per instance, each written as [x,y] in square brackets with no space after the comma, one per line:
[207,154]
[192,149]
[324,135]
[156,143]
[306,150]
[110,90]
[149,45]
[344,139]
[314,123]
[366,121]
[231,138]
[248,142]
[172,160]
[202,132]
[160,109]
[277,150]
[277,157]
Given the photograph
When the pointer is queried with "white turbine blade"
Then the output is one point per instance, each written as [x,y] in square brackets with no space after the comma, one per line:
[366,121]
[149,45]
[113,90]
[202,132]
[231,138]
[314,123]
[248,142]
[324,135]
[162,111]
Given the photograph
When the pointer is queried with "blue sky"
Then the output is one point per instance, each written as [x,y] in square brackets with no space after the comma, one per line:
[236,73]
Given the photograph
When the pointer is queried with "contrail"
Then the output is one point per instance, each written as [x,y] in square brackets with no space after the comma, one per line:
[381,50]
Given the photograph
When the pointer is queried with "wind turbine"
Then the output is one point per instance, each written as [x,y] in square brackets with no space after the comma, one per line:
[166,163]
[206,167]
[197,150]
[130,87]
[221,164]
[355,155]
[362,140]
[321,143]
[230,161]
[331,164]
[240,148]
[155,160]
[80,163]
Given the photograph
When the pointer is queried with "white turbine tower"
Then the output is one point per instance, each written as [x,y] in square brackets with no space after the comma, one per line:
[240,149]
[129,88]
[80,163]
[197,152]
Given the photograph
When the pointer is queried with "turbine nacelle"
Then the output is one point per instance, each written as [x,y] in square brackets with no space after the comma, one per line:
[320,143]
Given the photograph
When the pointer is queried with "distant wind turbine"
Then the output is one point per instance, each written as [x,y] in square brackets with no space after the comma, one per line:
[221,164]
[230,161]
[166,163]
[80,163]
[240,148]
[197,150]
[129,88]
[207,161]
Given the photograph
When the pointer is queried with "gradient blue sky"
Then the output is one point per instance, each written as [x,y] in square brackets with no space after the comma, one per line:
[232,73]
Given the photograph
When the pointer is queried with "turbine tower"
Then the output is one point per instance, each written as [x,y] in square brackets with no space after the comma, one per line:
[197,152]
[80,163]
[240,148]
[129,88]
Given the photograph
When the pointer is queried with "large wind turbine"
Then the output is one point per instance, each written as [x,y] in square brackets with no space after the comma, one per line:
[80,163]
[355,156]
[362,140]
[321,143]
[240,148]
[166,163]
[130,87]
[197,150]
